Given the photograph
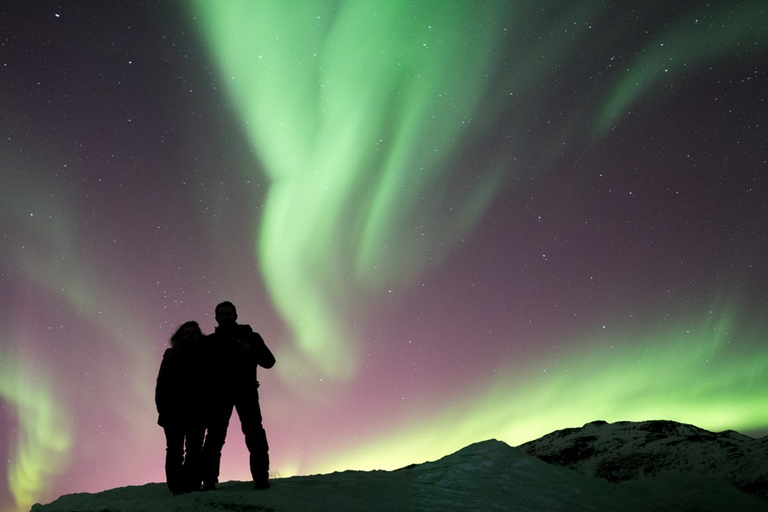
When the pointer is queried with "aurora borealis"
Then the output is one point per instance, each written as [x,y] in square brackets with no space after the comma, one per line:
[450,221]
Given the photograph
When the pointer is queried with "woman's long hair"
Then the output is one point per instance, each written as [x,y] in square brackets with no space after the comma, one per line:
[179,334]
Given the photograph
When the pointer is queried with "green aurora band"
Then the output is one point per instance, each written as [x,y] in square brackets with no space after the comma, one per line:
[35,387]
[717,33]
[44,435]
[44,430]
[359,112]
[359,119]
[362,113]
[686,371]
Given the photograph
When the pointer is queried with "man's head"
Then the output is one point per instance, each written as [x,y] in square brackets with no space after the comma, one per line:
[226,314]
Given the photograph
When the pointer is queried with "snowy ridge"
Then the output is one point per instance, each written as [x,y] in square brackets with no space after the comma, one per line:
[626,450]
[493,476]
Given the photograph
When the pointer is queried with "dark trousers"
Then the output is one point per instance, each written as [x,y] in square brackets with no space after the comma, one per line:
[183,458]
[248,411]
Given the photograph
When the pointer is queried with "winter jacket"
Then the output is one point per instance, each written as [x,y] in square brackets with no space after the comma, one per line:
[235,354]
[182,385]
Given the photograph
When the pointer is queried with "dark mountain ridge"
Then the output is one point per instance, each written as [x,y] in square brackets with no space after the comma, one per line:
[625,451]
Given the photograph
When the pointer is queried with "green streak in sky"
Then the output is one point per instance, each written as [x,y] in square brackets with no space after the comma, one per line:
[359,112]
[43,437]
[710,34]
[711,371]
[387,128]
[48,259]
[41,447]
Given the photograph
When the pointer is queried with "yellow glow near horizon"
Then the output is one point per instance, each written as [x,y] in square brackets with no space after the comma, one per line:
[44,434]
[691,375]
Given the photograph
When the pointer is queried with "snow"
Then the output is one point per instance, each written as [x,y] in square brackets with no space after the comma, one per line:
[626,450]
[486,476]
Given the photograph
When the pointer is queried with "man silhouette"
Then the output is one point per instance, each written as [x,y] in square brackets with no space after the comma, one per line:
[236,351]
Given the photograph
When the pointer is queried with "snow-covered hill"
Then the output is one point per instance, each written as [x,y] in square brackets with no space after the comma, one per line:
[488,476]
[625,451]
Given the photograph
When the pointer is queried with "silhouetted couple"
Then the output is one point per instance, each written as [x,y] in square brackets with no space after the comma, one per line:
[201,379]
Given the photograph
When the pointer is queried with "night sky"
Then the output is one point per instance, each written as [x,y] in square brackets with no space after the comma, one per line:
[450,221]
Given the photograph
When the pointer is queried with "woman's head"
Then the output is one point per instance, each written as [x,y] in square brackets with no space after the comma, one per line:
[186,332]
